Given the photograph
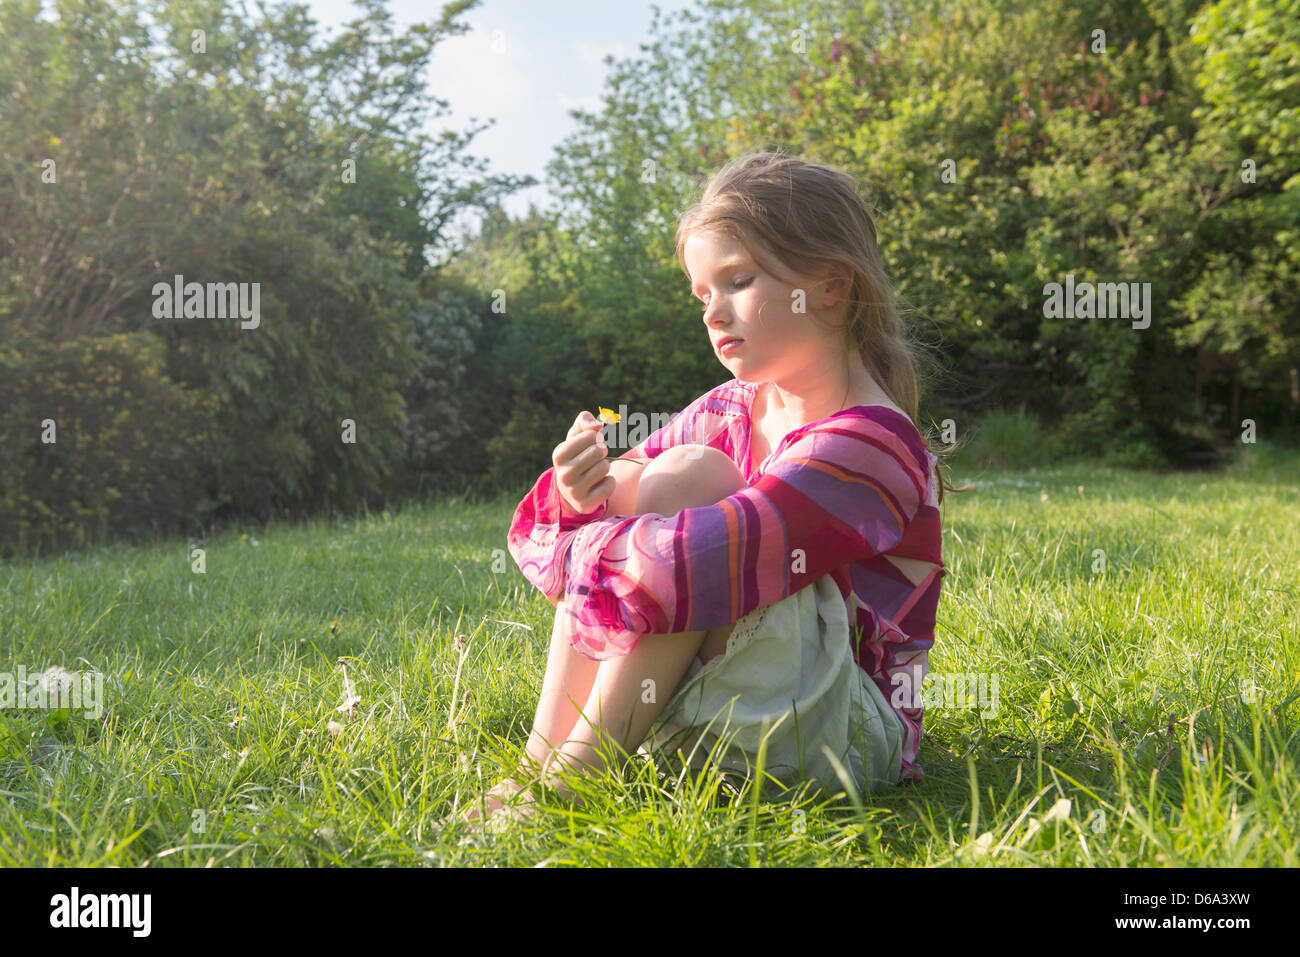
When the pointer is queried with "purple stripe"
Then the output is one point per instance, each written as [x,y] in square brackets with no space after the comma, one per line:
[873,581]
[710,571]
[681,576]
[749,519]
[906,430]
[875,522]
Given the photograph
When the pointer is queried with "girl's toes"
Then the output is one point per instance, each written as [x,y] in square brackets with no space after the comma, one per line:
[507,798]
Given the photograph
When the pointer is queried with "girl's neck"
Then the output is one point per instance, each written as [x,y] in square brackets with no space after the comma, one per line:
[826,397]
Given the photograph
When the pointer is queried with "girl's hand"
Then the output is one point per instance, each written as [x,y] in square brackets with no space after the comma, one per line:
[581,466]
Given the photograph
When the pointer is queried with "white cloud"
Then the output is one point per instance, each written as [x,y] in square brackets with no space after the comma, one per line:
[594,53]
[479,80]
[590,102]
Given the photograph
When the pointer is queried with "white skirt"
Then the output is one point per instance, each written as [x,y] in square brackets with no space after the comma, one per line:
[789,673]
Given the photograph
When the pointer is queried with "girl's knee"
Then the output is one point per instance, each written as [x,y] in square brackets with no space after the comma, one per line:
[687,476]
[699,460]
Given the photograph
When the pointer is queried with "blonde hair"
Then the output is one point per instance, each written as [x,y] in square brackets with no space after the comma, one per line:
[787,212]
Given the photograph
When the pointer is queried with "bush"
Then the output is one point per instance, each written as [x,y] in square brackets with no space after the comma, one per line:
[440,421]
[1007,440]
[1263,454]
[93,436]
[522,451]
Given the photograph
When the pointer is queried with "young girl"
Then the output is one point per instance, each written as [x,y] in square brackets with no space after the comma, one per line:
[769,562]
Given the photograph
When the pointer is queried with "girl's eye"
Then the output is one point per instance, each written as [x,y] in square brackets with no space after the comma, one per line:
[735,285]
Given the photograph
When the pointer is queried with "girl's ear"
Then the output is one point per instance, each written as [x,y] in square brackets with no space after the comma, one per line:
[836,282]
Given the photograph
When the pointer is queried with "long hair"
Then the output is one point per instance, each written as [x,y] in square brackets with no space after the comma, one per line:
[796,217]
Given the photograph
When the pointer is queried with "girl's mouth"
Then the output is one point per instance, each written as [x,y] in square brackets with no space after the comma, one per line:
[728,344]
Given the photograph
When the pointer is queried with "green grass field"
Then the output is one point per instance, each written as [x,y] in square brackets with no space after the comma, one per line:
[1142,628]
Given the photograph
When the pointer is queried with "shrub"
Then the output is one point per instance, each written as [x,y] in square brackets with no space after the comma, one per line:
[439,421]
[1008,440]
[127,441]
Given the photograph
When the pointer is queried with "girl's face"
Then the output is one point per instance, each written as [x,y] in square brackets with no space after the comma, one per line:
[742,301]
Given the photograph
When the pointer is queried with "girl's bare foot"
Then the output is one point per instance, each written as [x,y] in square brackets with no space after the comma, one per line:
[508,799]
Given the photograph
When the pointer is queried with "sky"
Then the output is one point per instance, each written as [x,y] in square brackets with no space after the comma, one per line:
[547,60]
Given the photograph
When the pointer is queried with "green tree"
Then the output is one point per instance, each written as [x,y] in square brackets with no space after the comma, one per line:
[204,140]
[1245,303]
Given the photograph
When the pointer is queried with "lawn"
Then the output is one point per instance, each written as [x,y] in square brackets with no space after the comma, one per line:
[1141,628]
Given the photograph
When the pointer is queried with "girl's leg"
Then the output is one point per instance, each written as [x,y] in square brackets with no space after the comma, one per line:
[569,674]
[630,692]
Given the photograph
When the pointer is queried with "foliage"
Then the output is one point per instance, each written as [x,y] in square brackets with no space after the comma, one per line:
[1002,147]
[442,335]
[1246,298]
[95,437]
[258,153]
[1013,440]
[1073,153]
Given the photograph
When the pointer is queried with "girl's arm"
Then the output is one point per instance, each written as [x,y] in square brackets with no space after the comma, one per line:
[842,492]
[627,477]
[626,472]
[543,527]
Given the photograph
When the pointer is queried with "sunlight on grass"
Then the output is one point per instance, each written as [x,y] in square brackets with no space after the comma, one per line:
[328,692]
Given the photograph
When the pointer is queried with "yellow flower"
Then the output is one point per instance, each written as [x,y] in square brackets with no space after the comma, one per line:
[607,415]
[334,626]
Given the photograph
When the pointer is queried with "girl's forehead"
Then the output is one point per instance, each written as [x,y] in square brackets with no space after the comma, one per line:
[707,248]
[710,239]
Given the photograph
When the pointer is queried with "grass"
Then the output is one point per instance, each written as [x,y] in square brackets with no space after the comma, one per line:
[1142,628]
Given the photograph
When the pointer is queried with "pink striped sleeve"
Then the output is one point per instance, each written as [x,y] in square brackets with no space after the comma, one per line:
[703,422]
[842,491]
[540,535]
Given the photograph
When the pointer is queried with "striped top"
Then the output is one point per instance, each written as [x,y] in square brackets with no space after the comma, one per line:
[834,497]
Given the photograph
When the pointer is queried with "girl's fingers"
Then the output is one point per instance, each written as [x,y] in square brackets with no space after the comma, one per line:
[584,421]
[585,483]
[582,465]
[583,490]
[598,452]
[568,451]
[579,423]
[599,493]
[585,451]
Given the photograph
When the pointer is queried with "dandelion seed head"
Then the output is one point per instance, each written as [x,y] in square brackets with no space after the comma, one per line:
[57,680]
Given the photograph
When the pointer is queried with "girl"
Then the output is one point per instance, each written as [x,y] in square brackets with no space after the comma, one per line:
[769,562]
